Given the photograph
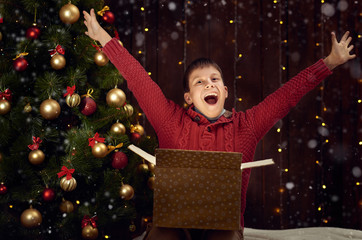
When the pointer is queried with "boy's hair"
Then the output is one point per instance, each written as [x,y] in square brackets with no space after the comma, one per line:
[198,63]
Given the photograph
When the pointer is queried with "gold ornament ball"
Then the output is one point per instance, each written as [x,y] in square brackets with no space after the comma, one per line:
[151,167]
[68,185]
[36,157]
[116,97]
[58,62]
[151,182]
[31,218]
[49,109]
[100,58]
[126,192]
[66,206]
[99,150]
[4,106]
[128,109]
[73,100]
[139,129]
[132,228]
[28,108]
[143,168]
[69,14]
[118,129]
[89,232]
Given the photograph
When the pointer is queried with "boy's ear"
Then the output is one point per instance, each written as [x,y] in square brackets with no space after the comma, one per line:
[226,92]
[187,98]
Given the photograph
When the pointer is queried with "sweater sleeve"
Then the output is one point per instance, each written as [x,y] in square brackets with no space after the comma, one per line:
[274,107]
[148,94]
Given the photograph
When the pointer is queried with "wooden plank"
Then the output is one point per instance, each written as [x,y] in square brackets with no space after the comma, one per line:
[303,129]
[197,24]
[271,77]
[170,49]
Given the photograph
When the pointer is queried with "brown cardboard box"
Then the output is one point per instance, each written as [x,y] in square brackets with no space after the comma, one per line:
[197,189]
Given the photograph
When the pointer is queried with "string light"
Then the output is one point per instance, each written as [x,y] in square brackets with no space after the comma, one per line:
[77,202]
[275,1]
[240,55]
[359,36]
[140,52]
[317,44]
[327,140]
[180,63]
[323,124]
[188,42]
[240,99]
[317,162]
[360,143]
[358,183]
[11,206]
[359,100]
[319,208]
[106,236]
[278,130]
[149,73]
[286,170]
[317,117]
[283,68]
[146,29]
[280,150]
[322,1]
[281,22]
[324,186]
[231,21]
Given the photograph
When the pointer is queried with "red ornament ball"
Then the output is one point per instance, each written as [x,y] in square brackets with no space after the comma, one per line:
[33,32]
[135,137]
[3,189]
[119,160]
[87,106]
[48,194]
[108,17]
[20,64]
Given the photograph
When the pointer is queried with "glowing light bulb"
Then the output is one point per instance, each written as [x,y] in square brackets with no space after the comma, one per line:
[278,130]
[142,8]
[280,150]
[231,21]
[281,22]
[324,186]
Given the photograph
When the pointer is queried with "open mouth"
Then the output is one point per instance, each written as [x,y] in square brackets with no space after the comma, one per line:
[211,98]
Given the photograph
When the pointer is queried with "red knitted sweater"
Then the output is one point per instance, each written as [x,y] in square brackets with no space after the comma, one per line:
[179,128]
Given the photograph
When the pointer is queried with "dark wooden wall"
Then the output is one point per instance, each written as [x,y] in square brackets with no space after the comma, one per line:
[260,45]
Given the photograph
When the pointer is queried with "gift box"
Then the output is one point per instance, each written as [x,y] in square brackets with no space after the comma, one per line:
[197,189]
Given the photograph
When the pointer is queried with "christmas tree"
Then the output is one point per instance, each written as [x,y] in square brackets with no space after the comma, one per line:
[65,126]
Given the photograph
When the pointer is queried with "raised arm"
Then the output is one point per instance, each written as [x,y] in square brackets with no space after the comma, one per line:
[148,94]
[274,107]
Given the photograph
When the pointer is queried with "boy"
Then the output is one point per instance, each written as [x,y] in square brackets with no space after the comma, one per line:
[206,125]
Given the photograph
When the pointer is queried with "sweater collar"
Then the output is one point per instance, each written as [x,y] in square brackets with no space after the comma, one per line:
[196,116]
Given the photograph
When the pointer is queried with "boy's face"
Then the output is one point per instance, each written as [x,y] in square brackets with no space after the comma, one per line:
[207,91]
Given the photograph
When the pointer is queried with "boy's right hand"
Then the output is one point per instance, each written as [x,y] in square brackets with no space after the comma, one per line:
[94,30]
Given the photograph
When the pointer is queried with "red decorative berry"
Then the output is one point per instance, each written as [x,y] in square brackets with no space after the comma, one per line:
[87,106]
[33,33]
[119,160]
[48,194]
[3,189]
[108,17]
[20,64]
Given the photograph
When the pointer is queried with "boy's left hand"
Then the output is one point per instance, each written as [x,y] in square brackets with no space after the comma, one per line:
[340,52]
